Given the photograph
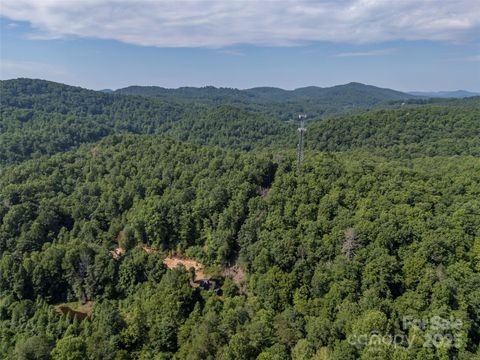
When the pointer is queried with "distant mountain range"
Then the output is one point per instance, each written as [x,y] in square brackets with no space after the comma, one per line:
[352,93]
[44,118]
[458,94]
[316,101]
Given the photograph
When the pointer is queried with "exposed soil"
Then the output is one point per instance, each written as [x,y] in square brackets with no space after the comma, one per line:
[80,311]
[235,273]
[118,252]
[172,262]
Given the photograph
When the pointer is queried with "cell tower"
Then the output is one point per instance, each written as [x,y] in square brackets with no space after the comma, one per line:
[301,139]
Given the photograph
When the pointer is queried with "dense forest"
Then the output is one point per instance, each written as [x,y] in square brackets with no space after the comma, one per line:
[284,104]
[375,236]
[407,132]
[43,118]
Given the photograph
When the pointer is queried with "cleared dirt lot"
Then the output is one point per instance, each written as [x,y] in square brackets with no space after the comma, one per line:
[172,262]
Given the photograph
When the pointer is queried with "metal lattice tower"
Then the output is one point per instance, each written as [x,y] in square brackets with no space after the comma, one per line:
[301,139]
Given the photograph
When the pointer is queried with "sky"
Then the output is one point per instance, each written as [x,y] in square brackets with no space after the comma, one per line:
[408,45]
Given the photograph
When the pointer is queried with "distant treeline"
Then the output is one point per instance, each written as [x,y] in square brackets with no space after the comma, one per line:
[43,118]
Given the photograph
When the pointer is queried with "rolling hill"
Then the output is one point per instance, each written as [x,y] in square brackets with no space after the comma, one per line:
[43,118]
[317,101]
[353,93]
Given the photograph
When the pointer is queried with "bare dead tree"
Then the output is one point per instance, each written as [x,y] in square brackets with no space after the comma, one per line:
[350,243]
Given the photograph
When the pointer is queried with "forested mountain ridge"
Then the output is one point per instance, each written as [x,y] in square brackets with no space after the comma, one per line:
[349,244]
[317,101]
[470,102]
[406,132]
[352,93]
[43,118]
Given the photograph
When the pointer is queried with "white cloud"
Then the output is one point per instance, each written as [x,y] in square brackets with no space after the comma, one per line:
[378,52]
[216,24]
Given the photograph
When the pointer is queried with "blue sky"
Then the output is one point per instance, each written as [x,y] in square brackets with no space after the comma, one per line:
[289,44]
